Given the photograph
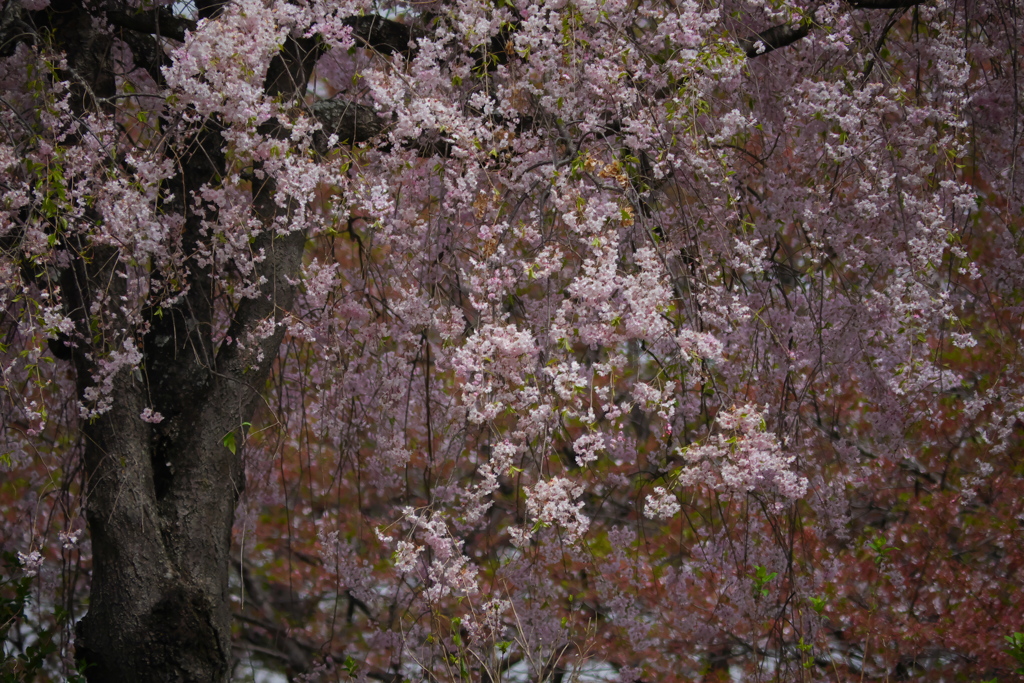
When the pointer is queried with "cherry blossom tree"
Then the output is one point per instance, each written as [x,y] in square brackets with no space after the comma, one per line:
[512,340]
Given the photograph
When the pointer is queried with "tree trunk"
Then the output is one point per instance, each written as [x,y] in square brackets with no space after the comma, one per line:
[161,497]
[159,602]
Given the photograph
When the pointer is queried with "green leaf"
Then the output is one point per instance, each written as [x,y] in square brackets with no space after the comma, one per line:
[761,579]
[1015,647]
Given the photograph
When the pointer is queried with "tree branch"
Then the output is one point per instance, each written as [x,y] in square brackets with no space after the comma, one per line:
[157,22]
[384,35]
[352,123]
[786,34]
[883,4]
[773,38]
[896,14]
